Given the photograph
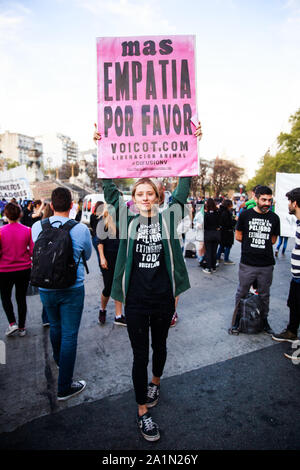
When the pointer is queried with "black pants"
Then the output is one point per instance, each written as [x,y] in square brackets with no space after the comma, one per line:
[211,253]
[138,325]
[108,274]
[294,305]
[19,279]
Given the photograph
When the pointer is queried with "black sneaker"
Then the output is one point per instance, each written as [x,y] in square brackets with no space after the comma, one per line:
[120,321]
[207,270]
[285,335]
[148,428]
[267,329]
[152,395]
[102,316]
[75,389]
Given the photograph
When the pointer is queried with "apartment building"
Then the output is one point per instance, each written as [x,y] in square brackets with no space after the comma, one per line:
[15,146]
[58,149]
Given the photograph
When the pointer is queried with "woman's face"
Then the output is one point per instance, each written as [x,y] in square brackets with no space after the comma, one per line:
[145,198]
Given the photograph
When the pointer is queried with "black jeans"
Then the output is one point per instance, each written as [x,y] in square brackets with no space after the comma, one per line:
[108,274]
[138,325]
[19,279]
[263,276]
[211,253]
[294,305]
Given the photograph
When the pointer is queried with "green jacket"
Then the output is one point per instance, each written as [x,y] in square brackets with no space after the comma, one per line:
[250,204]
[128,222]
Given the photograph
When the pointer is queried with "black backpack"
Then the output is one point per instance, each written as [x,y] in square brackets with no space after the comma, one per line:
[247,317]
[53,265]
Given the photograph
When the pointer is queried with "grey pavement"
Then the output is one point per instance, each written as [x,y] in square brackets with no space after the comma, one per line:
[218,391]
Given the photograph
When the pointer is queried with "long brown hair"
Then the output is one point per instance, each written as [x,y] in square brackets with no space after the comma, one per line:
[109,224]
[47,212]
[210,205]
[145,181]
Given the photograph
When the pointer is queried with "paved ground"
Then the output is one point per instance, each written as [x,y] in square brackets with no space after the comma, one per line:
[219,391]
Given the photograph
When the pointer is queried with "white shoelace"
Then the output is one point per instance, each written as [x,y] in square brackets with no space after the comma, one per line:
[149,425]
[152,392]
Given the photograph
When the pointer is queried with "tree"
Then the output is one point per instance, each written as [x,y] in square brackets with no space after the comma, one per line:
[92,172]
[204,176]
[287,158]
[65,171]
[265,175]
[11,164]
[201,182]
[225,174]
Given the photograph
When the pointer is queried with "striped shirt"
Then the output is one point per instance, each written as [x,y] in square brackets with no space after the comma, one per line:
[295,258]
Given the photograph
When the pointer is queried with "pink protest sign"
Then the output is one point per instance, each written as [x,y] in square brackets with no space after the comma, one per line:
[146,100]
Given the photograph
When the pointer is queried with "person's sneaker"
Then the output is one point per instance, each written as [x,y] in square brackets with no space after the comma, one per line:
[285,335]
[102,316]
[22,332]
[46,324]
[294,355]
[229,261]
[148,428]
[120,321]
[75,389]
[206,270]
[11,329]
[152,395]
[174,320]
[267,329]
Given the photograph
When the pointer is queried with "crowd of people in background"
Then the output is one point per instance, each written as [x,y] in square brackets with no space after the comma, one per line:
[207,232]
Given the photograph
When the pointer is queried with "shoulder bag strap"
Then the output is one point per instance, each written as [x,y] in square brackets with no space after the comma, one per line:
[68,227]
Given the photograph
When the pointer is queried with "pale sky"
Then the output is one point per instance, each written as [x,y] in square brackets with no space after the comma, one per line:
[248,67]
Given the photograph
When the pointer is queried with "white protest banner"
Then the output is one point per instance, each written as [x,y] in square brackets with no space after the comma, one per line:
[14,183]
[147,106]
[285,182]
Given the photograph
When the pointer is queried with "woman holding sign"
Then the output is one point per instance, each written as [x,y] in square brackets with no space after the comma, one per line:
[150,272]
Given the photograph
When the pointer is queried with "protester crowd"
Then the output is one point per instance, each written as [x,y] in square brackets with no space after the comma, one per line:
[142,262]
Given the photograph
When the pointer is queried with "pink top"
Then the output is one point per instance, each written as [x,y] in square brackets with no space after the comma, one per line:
[16,247]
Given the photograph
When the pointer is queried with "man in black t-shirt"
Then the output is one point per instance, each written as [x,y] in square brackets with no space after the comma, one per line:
[257,229]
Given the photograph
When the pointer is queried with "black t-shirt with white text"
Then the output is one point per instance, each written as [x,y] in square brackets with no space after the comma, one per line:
[258,229]
[150,287]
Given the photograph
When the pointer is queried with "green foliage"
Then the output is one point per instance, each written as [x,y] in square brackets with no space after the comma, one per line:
[286,160]
[11,164]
